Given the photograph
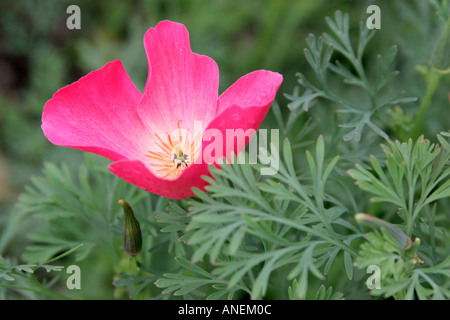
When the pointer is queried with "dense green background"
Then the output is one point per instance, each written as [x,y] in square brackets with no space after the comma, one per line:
[39,55]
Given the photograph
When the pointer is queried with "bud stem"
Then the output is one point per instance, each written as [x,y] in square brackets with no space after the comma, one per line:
[133,265]
[433,79]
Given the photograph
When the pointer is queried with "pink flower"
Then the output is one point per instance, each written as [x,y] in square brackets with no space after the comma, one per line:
[150,136]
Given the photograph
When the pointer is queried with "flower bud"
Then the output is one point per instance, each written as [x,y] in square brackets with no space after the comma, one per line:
[440,58]
[132,239]
[402,239]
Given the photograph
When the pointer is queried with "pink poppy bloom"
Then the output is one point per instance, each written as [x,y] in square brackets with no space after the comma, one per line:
[142,134]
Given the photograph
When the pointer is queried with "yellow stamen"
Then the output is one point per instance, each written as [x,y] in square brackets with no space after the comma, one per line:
[171,157]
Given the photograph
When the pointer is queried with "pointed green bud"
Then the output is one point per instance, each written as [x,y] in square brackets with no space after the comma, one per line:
[413,248]
[440,58]
[132,239]
[402,239]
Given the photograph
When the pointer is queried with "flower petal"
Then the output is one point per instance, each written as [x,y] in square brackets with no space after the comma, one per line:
[244,106]
[181,85]
[135,172]
[98,114]
[255,89]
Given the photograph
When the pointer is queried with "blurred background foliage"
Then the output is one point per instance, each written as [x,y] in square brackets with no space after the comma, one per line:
[39,55]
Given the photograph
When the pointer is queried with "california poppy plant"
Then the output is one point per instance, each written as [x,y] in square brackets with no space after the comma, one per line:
[151,137]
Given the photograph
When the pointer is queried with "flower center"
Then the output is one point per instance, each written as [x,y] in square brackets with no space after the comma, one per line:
[173,152]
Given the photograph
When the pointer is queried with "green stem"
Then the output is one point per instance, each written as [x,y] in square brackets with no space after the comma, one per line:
[133,265]
[433,79]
